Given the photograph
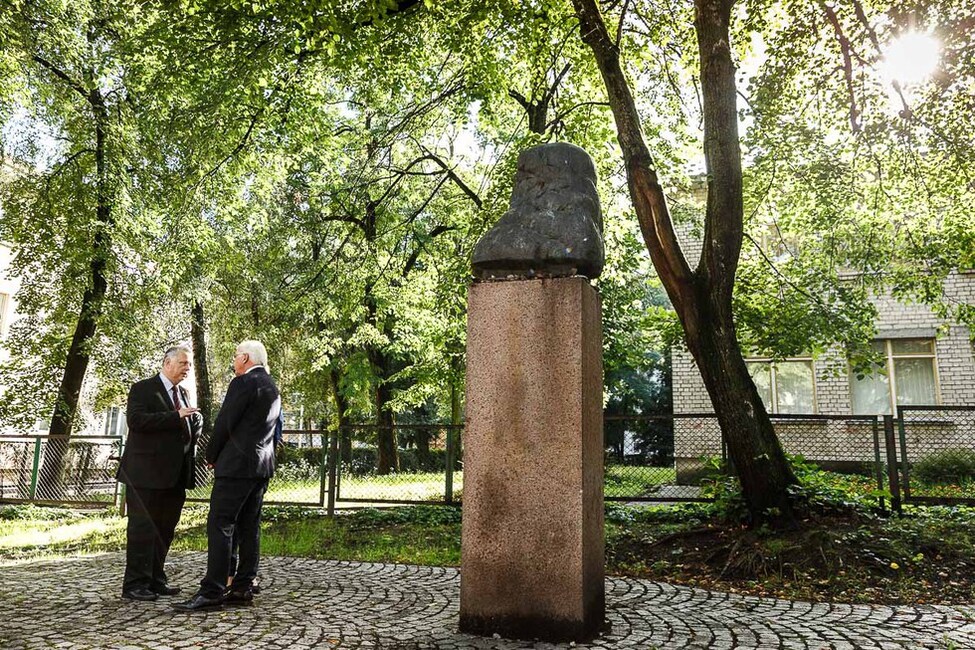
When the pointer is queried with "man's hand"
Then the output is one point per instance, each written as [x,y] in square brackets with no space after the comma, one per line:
[187,411]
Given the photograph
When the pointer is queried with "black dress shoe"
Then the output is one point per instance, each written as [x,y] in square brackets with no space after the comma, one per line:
[164,590]
[239,597]
[139,593]
[198,603]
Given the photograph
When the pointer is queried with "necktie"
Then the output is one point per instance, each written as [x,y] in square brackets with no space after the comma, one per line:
[177,406]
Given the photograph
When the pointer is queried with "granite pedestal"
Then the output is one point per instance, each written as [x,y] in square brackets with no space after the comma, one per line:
[532,552]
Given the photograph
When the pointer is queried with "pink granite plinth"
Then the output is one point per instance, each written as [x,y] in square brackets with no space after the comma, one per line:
[532,547]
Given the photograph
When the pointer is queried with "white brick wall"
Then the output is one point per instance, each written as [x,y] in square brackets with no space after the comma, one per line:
[953,351]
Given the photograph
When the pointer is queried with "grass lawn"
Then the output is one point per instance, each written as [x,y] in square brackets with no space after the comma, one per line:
[412,535]
[407,486]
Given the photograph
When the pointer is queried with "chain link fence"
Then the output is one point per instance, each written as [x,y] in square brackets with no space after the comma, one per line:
[925,455]
[65,470]
[299,478]
[666,458]
[407,463]
[937,454]
[641,460]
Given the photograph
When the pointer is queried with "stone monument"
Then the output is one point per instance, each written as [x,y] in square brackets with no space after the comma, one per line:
[532,541]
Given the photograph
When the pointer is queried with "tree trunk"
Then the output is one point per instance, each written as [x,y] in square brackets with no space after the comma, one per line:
[703,297]
[422,439]
[76,364]
[456,413]
[753,447]
[388,459]
[341,417]
[204,393]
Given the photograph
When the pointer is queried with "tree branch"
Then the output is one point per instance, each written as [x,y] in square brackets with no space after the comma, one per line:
[517,96]
[619,27]
[68,161]
[63,76]
[464,187]
[236,150]
[415,256]
[845,48]
[648,196]
[562,115]
[723,226]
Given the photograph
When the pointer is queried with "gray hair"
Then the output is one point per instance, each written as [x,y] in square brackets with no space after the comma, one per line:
[176,350]
[255,350]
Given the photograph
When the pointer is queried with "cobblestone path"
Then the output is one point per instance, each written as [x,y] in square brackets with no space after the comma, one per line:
[74,603]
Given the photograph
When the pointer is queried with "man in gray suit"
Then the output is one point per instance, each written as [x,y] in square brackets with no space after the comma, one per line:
[241,452]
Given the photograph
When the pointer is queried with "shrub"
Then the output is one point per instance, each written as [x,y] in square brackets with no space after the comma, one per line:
[364,460]
[946,467]
[300,455]
[296,471]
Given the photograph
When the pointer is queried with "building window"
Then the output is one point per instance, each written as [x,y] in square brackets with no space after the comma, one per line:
[785,386]
[905,377]
[4,305]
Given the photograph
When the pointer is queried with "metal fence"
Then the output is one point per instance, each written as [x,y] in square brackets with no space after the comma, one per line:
[925,455]
[407,463]
[66,470]
[665,458]
[301,476]
[937,455]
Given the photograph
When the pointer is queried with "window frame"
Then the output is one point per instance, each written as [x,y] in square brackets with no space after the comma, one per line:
[774,390]
[4,307]
[890,357]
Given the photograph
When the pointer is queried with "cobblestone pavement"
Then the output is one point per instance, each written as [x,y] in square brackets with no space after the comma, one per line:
[74,603]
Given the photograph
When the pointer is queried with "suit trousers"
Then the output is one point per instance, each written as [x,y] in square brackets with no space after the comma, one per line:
[152,518]
[235,507]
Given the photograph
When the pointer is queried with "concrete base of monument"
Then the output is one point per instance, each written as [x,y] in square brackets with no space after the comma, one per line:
[532,553]
[530,628]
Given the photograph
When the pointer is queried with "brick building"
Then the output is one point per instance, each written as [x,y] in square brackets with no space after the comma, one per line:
[926,362]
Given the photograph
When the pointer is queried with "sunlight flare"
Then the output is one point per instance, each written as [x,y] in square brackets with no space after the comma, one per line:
[911,58]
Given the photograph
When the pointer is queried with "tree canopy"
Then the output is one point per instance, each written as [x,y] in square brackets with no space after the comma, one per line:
[316,174]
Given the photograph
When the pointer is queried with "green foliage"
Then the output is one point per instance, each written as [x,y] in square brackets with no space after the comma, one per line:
[296,470]
[819,492]
[628,481]
[729,503]
[416,515]
[823,492]
[689,514]
[304,456]
[853,188]
[316,175]
[364,459]
[950,466]
[30,512]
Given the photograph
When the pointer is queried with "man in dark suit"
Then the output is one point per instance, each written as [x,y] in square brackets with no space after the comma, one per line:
[157,469]
[241,452]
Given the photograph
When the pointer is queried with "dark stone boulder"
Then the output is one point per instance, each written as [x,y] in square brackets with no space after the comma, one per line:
[553,226]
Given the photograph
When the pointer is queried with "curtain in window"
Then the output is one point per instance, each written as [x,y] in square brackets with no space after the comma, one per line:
[915,381]
[794,387]
[761,373]
[871,395]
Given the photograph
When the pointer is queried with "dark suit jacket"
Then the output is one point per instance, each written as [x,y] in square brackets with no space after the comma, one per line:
[154,456]
[242,445]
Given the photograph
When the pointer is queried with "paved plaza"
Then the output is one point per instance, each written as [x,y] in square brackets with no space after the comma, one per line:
[74,603]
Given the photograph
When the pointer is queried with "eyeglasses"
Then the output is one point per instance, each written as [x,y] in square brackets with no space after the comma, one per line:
[240,354]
